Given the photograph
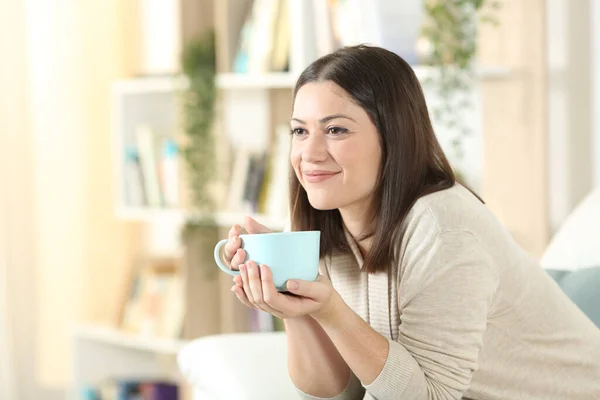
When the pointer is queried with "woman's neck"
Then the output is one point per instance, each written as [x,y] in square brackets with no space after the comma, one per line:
[358,224]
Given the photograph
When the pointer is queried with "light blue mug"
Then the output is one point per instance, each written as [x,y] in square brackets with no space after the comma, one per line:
[290,255]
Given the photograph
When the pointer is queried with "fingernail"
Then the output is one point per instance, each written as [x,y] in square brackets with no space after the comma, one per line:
[233,289]
[292,285]
[242,267]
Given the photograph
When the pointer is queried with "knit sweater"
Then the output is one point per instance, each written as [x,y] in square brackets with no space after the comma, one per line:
[467,313]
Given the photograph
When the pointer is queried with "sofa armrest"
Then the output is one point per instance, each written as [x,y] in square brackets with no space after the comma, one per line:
[247,366]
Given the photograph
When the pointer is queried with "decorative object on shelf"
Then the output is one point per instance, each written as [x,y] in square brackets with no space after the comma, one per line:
[392,24]
[160,36]
[449,43]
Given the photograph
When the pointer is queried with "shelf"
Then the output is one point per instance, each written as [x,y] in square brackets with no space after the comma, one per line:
[230,219]
[150,214]
[117,338]
[223,219]
[151,84]
[274,80]
[424,72]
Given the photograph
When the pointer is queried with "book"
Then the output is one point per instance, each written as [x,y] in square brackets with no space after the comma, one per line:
[135,193]
[277,182]
[137,389]
[254,182]
[155,304]
[146,145]
[280,54]
[264,40]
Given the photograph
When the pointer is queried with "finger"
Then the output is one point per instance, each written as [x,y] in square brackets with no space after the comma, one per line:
[255,284]
[269,290]
[254,227]
[264,286]
[237,280]
[288,305]
[238,258]
[231,247]
[235,230]
[312,290]
[241,295]
[246,283]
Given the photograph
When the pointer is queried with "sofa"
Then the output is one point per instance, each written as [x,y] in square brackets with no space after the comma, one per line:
[253,366]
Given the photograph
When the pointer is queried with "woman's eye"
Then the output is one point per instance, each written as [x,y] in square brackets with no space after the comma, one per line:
[298,131]
[334,130]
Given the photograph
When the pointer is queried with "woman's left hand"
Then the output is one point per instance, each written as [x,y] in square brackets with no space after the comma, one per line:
[255,288]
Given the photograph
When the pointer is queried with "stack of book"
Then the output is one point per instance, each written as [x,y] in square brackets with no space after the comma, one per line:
[131,389]
[260,180]
[151,170]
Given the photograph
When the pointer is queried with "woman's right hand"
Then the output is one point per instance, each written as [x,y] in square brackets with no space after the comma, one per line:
[233,254]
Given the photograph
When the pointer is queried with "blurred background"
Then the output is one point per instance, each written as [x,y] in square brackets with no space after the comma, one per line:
[135,133]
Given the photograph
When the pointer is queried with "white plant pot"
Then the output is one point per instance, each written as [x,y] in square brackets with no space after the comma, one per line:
[393,24]
[160,29]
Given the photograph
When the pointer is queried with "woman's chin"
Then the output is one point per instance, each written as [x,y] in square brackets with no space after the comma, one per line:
[323,204]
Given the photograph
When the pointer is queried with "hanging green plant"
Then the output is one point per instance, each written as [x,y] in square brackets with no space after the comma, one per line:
[198,104]
[450,34]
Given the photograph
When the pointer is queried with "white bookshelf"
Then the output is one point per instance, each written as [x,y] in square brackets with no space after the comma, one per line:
[153,101]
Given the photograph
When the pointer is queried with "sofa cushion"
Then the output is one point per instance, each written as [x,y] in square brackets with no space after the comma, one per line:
[575,245]
[583,288]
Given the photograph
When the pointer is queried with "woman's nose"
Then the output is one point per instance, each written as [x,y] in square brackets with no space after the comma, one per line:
[314,149]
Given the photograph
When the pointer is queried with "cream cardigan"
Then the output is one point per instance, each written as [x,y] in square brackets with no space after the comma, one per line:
[468,314]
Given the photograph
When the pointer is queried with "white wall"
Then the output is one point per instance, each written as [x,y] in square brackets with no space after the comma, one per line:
[570,113]
[7,375]
[63,254]
[595,28]
[17,264]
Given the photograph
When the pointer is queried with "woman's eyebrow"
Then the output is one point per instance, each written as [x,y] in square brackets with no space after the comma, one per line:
[327,118]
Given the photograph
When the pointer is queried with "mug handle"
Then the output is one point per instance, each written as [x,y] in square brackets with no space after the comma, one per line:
[219,262]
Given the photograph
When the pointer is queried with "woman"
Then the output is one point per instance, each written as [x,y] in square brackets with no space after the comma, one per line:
[422,293]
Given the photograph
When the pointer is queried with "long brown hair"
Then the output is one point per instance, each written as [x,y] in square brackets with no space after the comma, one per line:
[413,163]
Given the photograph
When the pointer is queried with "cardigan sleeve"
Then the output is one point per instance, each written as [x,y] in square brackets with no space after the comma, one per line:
[354,390]
[447,298]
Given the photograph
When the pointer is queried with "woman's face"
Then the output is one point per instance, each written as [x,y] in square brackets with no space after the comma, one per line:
[336,150]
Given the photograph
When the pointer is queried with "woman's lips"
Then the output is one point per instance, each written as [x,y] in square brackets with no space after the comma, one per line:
[318,176]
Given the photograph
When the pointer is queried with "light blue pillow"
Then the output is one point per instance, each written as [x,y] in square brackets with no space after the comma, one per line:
[583,287]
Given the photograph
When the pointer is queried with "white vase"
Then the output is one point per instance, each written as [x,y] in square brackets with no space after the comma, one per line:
[160,30]
[393,24]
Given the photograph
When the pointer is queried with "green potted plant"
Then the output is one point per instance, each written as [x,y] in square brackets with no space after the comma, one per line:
[200,231]
[450,37]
